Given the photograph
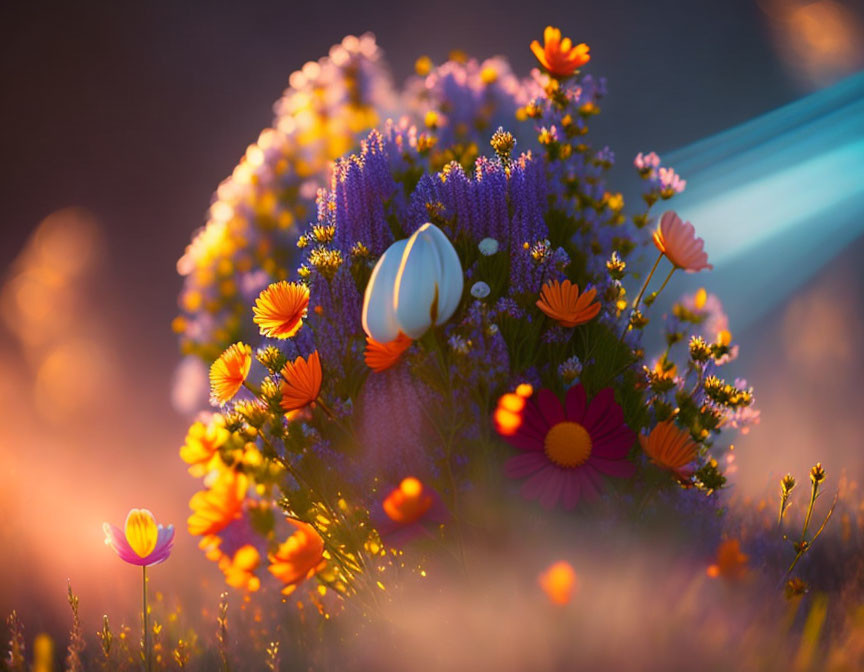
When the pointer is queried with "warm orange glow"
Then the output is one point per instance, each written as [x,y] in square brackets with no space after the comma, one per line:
[507,422]
[381,356]
[228,373]
[508,414]
[560,583]
[79,360]
[407,503]
[665,369]
[302,382]
[280,309]
[512,402]
[820,40]
[669,447]
[562,302]
[213,509]
[560,57]
[731,563]
[525,390]
[299,557]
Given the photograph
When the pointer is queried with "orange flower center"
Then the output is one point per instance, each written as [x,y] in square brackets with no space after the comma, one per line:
[568,444]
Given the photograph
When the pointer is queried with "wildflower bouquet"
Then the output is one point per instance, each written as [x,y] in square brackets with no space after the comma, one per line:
[442,321]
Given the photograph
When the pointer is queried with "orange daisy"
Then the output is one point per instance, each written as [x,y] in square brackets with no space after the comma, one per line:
[559,56]
[279,309]
[562,302]
[381,356]
[302,382]
[228,373]
[213,509]
[299,557]
[670,447]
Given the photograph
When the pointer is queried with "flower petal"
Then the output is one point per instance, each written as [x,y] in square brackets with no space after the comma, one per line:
[550,407]
[379,315]
[525,464]
[576,402]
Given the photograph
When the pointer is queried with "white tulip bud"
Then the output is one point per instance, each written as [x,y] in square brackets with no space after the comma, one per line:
[417,283]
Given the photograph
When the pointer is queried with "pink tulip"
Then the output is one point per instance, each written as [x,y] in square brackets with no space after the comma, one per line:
[141,542]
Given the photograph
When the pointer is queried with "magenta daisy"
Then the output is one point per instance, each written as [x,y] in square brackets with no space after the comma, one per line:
[565,449]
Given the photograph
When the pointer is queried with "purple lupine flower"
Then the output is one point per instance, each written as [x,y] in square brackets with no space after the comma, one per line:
[361,184]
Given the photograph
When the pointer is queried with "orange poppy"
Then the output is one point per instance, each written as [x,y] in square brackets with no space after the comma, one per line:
[560,57]
[279,309]
[381,356]
[299,557]
[302,382]
[228,373]
[562,302]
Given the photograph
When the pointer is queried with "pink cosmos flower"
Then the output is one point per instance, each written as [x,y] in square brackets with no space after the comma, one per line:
[142,542]
[678,241]
[646,163]
[565,449]
[670,182]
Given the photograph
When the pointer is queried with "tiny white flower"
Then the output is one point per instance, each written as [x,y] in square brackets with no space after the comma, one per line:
[480,290]
[488,247]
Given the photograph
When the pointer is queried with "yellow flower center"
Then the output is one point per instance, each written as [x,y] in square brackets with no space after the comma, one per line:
[568,444]
[141,531]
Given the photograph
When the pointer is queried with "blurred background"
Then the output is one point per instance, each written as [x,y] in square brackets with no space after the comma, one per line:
[118,121]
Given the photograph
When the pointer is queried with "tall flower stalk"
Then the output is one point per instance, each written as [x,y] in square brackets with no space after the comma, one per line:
[143,543]
[145,640]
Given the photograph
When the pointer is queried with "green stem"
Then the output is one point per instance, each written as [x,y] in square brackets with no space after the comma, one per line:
[663,286]
[783,499]
[647,280]
[147,660]
[336,421]
[813,491]
[640,294]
